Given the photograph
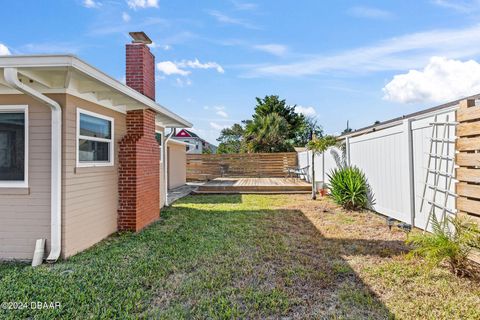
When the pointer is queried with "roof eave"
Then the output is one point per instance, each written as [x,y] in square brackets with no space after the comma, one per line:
[39,61]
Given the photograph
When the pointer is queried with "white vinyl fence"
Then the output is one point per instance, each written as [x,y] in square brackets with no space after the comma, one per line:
[395,159]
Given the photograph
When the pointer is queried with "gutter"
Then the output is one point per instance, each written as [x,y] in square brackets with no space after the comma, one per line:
[11,77]
[165,165]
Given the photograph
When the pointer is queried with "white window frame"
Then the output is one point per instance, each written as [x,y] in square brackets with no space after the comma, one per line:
[161,146]
[111,141]
[18,109]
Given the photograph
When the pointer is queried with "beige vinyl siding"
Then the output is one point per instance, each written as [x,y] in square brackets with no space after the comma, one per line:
[177,165]
[25,213]
[90,194]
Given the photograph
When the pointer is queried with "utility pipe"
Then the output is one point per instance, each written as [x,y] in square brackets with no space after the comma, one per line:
[11,77]
[165,165]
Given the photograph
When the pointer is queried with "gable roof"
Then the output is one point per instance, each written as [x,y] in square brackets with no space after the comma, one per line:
[69,74]
[186,133]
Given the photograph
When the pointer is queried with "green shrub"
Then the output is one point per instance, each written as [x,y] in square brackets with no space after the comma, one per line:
[452,241]
[349,188]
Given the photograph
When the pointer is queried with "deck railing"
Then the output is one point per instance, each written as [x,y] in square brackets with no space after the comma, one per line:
[201,167]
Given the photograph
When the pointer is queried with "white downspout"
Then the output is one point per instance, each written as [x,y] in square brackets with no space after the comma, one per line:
[11,77]
[165,165]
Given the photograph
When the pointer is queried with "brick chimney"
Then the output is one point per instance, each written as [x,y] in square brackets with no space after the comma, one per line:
[138,151]
[140,65]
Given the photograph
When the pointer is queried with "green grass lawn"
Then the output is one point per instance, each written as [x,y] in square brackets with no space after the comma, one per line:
[245,256]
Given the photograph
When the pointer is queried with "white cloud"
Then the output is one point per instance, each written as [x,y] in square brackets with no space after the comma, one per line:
[165,47]
[126,17]
[272,48]
[196,64]
[222,113]
[394,54]
[178,68]
[91,4]
[218,126]
[169,68]
[244,5]
[441,80]
[135,4]
[220,110]
[369,13]
[307,111]
[4,51]
[223,18]
[183,82]
[465,6]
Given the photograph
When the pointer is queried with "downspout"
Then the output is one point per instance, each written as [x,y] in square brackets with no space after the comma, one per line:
[165,165]
[11,77]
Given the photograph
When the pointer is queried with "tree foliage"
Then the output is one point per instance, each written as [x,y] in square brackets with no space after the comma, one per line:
[231,139]
[321,144]
[274,127]
[267,133]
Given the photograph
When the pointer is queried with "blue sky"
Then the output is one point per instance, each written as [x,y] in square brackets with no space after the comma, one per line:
[360,61]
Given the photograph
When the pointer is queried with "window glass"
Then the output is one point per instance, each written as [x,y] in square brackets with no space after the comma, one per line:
[90,151]
[12,146]
[94,140]
[158,136]
[95,127]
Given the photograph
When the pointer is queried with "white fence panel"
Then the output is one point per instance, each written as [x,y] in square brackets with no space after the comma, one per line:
[382,156]
[324,163]
[422,133]
[395,161]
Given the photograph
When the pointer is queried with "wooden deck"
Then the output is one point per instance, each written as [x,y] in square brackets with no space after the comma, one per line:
[255,185]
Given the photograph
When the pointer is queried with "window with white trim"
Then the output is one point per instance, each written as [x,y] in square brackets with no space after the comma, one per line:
[94,139]
[13,146]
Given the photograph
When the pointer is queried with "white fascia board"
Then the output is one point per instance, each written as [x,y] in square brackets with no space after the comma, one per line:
[48,61]
[174,141]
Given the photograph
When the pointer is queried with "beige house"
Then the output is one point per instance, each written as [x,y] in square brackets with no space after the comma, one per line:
[82,155]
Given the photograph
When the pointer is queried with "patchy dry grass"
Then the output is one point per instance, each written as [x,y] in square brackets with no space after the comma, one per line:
[249,256]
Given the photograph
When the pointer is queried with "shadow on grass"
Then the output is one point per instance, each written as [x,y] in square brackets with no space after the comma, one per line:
[235,263]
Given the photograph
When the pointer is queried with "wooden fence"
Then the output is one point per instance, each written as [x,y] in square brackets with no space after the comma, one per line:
[468,159]
[202,167]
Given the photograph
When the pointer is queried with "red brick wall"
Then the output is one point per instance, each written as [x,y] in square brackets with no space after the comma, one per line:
[139,172]
[140,69]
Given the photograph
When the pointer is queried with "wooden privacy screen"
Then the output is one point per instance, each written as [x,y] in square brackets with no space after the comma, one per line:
[468,159]
[211,166]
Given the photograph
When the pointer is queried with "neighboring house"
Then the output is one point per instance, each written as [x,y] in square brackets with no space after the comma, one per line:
[196,144]
[81,154]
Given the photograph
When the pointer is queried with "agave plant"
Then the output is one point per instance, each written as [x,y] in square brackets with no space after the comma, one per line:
[452,240]
[349,188]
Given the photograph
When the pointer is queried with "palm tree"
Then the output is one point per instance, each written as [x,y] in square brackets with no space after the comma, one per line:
[268,133]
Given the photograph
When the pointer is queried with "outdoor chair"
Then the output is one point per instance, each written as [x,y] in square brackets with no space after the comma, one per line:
[297,172]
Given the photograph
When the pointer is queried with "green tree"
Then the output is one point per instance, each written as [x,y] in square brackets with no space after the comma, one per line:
[231,139]
[273,104]
[267,133]
[304,133]
[321,144]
